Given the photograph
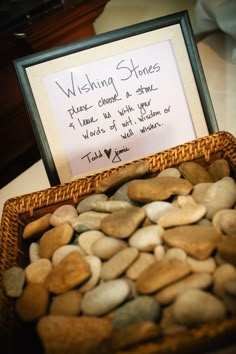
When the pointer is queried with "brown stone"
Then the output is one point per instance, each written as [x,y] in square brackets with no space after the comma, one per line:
[37,227]
[227,249]
[70,272]
[157,188]
[160,274]
[219,169]
[194,172]
[197,241]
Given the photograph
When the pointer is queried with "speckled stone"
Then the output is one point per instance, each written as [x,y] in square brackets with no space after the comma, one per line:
[85,204]
[33,302]
[194,172]
[160,274]
[157,188]
[83,334]
[70,272]
[123,223]
[37,227]
[13,281]
[37,271]
[63,214]
[146,238]
[54,238]
[105,297]
[140,309]
[67,304]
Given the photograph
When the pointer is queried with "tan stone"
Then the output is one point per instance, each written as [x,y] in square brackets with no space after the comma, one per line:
[70,272]
[194,172]
[196,240]
[37,271]
[219,169]
[143,261]
[67,304]
[227,249]
[225,221]
[37,227]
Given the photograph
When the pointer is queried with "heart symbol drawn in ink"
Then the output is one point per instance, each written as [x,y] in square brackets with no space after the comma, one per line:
[108,153]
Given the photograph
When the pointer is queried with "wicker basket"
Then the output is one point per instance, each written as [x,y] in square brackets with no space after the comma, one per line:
[20,210]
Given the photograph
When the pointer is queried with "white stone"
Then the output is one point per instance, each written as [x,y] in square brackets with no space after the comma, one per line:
[146,238]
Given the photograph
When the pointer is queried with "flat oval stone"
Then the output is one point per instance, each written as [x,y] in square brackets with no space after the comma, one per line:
[54,238]
[219,169]
[143,261]
[63,251]
[225,221]
[140,309]
[182,216]
[105,297]
[196,240]
[34,252]
[176,253]
[107,247]
[70,272]
[72,334]
[192,281]
[199,191]
[223,274]
[88,238]
[64,213]
[37,271]
[37,227]
[170,172]
[109,206]
[89,220]
[122,194]
[160,274]
[123,175]
[194,172]
[227,249]
[33,302]
[157,188]
[118,264]
[123,223]
[146,238]
[85,204]
[155,210]
[194,307]
[207,265]
[67,304]
[95,267]
[13,281]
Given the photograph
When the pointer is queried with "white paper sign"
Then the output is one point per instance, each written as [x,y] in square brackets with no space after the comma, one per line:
[120,108]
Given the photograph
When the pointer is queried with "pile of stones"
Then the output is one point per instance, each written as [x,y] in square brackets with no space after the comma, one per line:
[154,257]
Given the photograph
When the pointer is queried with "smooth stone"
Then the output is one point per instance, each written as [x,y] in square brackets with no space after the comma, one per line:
[219,169]
[95,268]
[227,249]
[123,175]
[36,227]
[170,172]
[143,261]
[140,309]
[37,271]
[225,221]
[160,274]
[204,222]
[34,252]
[85,204]
[67,304]
[194,172]
[122,194]
[223,274]
[197,241]
[192,281]
[72,334]
[146,238]
[230,287]
[157,188]
[132,335]
[63,214]
[182,216]
[207,265]
[155,210]
[220,195]
[54,238]
[105,297]
[123,223]
[107,247]
[176,253]
[168,324]
[63,251]
[119,263]
[109,206]
[33,302]
[88,238]
[13,281]
[195,307]
[199,191]
[159,252]
[89,220]
[70,272]
[230,303]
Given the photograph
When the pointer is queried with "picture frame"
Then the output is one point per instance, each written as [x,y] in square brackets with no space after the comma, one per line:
[116,97]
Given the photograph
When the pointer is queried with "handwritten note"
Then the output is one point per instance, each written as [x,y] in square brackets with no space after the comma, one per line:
[120,108]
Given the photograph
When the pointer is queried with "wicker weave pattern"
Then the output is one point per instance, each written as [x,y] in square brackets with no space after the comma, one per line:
[205,147]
